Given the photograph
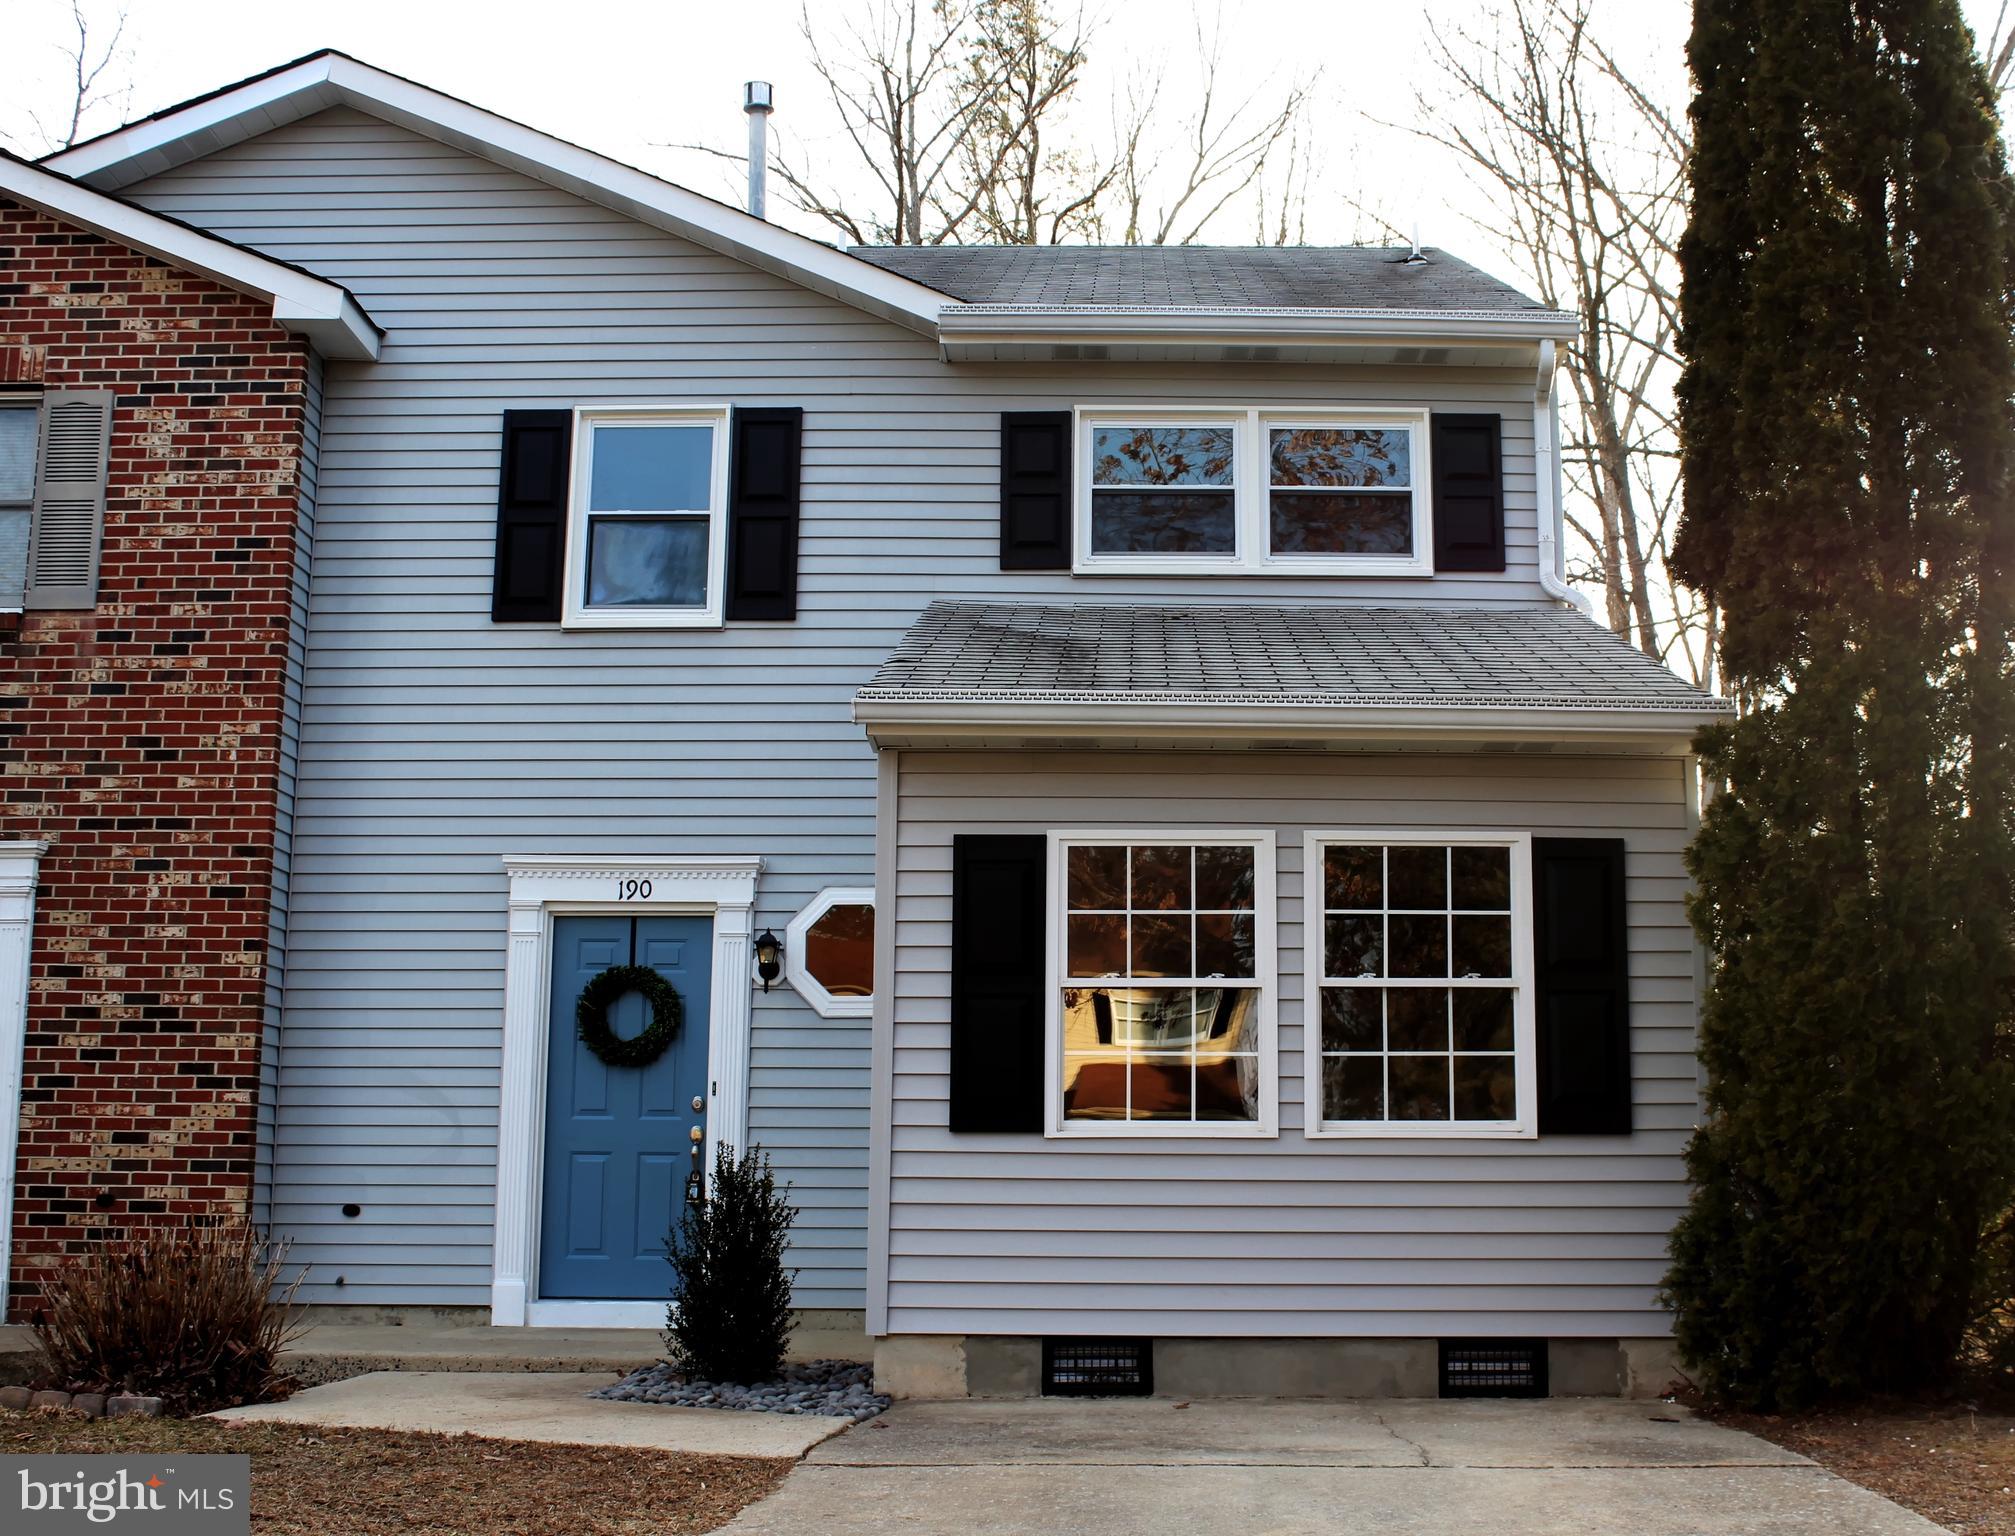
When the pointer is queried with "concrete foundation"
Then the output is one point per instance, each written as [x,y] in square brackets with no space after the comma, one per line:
[1584,1368]
[961,1366]
[1651,1367]
[921,1365]
[1295,1367]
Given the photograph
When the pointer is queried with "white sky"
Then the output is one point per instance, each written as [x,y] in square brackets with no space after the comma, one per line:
[626,76]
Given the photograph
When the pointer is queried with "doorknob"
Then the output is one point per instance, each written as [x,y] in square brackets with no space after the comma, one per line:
[698,1135]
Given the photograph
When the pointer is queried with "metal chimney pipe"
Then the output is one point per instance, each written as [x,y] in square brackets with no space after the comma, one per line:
[756,102]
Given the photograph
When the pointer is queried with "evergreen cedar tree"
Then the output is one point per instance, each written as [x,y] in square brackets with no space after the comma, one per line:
[730,1318]
[1846,451]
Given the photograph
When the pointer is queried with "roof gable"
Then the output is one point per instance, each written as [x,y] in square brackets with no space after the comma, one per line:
[307,86]
[324,312]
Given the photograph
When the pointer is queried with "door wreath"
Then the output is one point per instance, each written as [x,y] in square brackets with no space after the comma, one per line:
[591,1014]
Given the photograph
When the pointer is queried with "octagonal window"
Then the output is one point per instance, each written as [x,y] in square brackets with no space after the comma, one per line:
[829,953]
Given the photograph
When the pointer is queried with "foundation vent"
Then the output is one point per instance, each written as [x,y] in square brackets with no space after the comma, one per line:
[1097,1367]
[1493,1367]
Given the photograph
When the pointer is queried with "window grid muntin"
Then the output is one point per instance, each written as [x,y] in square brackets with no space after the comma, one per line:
[1070,981]
[1384,984]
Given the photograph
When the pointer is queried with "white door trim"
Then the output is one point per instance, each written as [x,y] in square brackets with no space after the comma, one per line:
[544,887]
[20,863]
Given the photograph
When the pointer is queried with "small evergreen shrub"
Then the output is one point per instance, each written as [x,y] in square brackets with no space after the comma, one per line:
[730,1318]
[195,1315]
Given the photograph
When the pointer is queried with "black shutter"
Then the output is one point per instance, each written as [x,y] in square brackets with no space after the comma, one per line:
[532,517]
[998,897]
[1582,955]
[1468,493]
[763,513]
[1035,490]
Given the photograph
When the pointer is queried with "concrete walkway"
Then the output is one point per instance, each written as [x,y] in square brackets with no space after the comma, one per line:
[1585,1466]
[540,1406]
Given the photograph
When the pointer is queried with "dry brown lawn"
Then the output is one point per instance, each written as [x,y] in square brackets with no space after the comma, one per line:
[369,1482]
[1949,1464]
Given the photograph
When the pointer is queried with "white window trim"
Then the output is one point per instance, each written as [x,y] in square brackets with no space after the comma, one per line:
[1524,1027]
[1251,490]
[799,974]
[543,887]
[575,612]
[1266,971]
[20,865]
[31,404]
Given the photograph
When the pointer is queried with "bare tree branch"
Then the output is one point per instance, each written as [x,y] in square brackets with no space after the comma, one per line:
[1584,169]
[88,63]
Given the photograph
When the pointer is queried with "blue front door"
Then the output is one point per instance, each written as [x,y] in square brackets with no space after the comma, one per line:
[619,1139]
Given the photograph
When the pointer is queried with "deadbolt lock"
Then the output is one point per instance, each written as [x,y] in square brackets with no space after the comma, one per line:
[698,1104]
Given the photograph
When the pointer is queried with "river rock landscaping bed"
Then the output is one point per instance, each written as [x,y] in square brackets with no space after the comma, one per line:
[840,1389]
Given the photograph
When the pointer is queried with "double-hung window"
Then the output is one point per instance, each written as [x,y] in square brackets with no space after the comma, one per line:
[20,427]
[1163,1007]
[1420,1007]
[646,545]
[1290,490]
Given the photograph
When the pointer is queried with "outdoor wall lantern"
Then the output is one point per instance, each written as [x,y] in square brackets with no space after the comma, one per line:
[769,957]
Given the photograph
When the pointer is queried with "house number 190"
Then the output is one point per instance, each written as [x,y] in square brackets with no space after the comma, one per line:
[633,890]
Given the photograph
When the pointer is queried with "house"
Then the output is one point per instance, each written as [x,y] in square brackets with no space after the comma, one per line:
[1093,746]
[157,405]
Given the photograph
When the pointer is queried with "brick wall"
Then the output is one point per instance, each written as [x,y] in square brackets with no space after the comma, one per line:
[141,740]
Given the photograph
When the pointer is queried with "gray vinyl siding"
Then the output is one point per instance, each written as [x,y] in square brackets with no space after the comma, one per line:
[1559,1236]
[435,741]
[267,1119]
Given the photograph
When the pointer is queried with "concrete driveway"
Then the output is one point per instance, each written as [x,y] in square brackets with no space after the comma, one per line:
[1585,1466]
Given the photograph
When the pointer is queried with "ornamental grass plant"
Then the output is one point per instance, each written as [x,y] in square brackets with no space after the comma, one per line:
[195,1315]
[730,1317]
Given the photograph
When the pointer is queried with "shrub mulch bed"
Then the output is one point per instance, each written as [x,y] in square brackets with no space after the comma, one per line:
[367,1482]
[1949,1464]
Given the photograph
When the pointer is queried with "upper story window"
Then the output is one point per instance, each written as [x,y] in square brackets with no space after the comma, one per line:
[20,425]
[645,545]
[1254,490]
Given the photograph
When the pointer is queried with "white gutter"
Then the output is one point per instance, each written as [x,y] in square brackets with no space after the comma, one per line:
[968,323]
[1081,716]
[1547,483]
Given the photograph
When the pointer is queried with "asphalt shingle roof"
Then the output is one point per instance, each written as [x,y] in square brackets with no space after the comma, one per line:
[1199,277]
[1447,657]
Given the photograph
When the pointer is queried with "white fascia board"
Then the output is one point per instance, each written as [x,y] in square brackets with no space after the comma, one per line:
[1670,729]
[324,312]
[962,325]
[237,114]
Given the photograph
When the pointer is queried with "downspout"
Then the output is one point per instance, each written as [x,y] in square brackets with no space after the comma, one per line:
[1547,485]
